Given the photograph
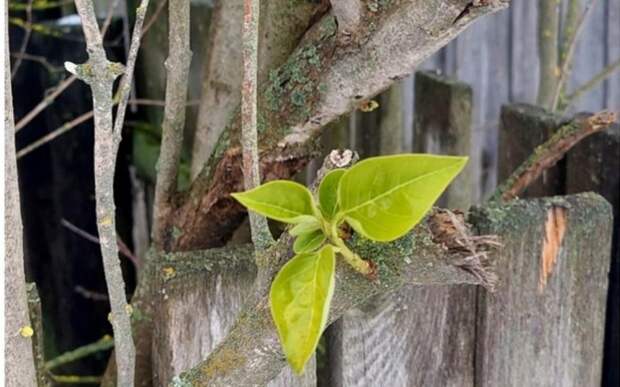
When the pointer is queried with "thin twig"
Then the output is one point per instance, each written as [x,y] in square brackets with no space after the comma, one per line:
[546,155]
[126,81]
[592,83]
[90,295]
[75,379]
[64,84]
[67,126]
[26,40]
[177,70]
[153,19]
[50,98]
[102,344]
[55,133]
[261,237]
[122,247]
[567,56]
[38,59]
[100,74]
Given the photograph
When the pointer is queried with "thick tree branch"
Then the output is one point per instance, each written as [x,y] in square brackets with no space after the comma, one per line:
[177,66]
[20,366]
[322,80]
[546,155]
[441,250]
[281,28]
[261,237]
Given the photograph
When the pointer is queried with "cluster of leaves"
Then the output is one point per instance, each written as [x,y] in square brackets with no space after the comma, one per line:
[381,198]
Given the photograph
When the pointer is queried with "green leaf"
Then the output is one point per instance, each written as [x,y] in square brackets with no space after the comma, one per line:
[328,192]
[282,200]
[382,198]
[300,297]
[305,227]
[309,242]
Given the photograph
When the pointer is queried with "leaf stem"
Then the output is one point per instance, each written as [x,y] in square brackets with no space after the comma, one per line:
[349,256]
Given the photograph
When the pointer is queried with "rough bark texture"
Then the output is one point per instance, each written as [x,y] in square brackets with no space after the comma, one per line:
[261,236]
[19,360]
[100,74]
[251,353]
[381,340]
[281,28]
[321,80]
[544,324]
[177,75]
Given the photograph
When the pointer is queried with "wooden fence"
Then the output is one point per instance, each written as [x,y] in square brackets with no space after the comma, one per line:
[544,325]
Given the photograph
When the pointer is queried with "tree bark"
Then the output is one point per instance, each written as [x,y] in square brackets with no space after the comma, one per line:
[19,367]
[322,79]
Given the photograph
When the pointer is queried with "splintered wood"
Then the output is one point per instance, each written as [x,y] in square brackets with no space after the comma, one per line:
[555,227]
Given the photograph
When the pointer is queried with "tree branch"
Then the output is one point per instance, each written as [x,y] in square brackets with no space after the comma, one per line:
[568,47]
[548,46]
[49,99]
[322,80]
[440,250]
[20,365]
[100,74]
[546,155]
[592,83]
[126,81]
[177,68]
[261,237]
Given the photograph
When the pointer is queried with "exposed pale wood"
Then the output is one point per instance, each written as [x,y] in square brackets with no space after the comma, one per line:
[593,165]
[532,333]
[524,127]
[382,340]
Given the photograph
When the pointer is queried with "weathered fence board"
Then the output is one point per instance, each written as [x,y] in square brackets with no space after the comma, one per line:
[198,306]
[383,340]
[544,325]
[594,165]
[522,128]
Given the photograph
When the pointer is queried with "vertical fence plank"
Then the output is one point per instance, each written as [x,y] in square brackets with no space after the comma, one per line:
[522,128]
[197,309]
[612,86]
[418,336]
[593,165]
[482,60]
[443,126]
[524,62]
[544,324]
